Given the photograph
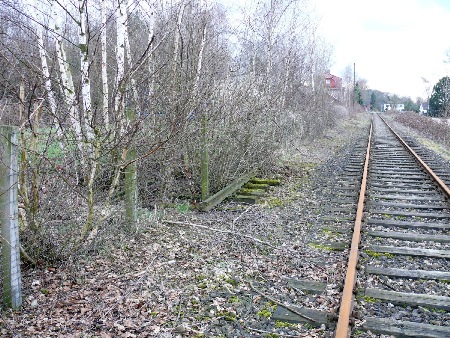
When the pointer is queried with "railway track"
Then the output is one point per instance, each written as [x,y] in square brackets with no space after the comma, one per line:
[391,206]
[400,285]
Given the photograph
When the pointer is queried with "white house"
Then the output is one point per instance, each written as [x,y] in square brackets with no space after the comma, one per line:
[393,106]
[423,109]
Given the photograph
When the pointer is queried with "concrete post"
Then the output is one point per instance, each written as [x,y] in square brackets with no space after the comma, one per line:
[12,290]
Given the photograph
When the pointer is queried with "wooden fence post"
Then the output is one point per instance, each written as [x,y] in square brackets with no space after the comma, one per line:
[12,290]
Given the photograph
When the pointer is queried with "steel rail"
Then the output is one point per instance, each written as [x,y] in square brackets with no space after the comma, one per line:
[346,307]
[440,183]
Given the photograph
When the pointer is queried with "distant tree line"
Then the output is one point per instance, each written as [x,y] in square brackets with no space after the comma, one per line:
[375,99]
[438,105]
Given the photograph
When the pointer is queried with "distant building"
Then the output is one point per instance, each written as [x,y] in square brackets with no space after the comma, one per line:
[393,106]
[333,81]
[423,109]
[334,85]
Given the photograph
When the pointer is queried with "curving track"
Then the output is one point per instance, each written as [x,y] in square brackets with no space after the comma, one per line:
[402,286]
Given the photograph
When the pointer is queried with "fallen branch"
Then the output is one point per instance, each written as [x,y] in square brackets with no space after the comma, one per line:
[289,307]
[236,219]
[220,230]
[26,256]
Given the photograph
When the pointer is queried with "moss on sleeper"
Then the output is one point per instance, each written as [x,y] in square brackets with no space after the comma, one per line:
[268,309]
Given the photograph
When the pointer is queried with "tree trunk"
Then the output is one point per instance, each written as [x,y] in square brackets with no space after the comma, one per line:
[130,184]
[105,91]
[86,111]
[204,160]
[177,38]
[68,88]
[119,102]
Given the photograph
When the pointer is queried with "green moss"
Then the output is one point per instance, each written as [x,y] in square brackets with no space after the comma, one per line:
[83,48]
[227,315]
[368,299]
[373,253]
[308,326]
[436,310]
[183,207]
[284,325]
[45,291]
[268,181]
[267,311]
[200,277]
[271,335]
[233,299]
[202,285]
[231,281]
[321,246]
[255,186]
[378,254]
[251,192]
[274,202]
[330,233]
[358,332]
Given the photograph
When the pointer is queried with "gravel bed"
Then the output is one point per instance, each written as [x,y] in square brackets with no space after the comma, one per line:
[395,312]
[369,240]
[407,262]
[428,287]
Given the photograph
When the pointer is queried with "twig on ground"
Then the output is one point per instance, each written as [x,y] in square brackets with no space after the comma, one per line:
[244,212]
[220,230]
[290,308]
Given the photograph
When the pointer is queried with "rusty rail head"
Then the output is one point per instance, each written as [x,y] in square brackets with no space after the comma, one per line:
[430,172]
[346,307]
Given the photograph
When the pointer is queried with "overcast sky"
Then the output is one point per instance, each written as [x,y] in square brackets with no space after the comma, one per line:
[394,43]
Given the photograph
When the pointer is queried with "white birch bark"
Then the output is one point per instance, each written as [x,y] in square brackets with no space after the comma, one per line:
[120,58]
[130,60]
[66,76]
[150,9]
[86,111]
[200,62]
[46,73]
[39,10]
[105,92]
[177,37]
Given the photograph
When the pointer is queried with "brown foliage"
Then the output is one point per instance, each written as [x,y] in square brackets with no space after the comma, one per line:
[438,132]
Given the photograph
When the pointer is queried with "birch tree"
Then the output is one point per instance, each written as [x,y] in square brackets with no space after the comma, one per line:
[119,103]
[86,111]
[65,74]
[104,66]
[46,74]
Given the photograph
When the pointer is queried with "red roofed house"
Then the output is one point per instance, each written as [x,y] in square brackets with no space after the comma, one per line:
[332,81]
[334,85]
